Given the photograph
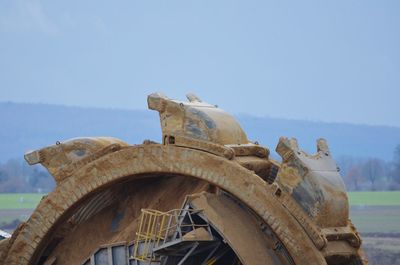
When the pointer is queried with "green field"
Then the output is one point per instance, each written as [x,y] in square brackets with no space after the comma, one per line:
[375,198]
[371,212]
[19,200]
[376,219]
[366,198]
[375,214]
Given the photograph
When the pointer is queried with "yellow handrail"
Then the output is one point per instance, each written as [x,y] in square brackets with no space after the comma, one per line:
[154,229]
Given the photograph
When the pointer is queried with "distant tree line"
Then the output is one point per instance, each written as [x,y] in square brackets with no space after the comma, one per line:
[16,176]
[371,173]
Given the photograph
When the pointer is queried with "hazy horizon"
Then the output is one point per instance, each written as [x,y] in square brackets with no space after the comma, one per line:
[332,62]
[242,114]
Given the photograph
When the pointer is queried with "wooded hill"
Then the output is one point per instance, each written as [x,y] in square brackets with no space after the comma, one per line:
[364,153]
[31,126]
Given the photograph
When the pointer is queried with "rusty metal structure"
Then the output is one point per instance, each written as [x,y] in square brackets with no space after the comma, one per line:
[204,195]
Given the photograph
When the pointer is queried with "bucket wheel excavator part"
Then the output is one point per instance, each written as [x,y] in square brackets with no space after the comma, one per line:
[204,195]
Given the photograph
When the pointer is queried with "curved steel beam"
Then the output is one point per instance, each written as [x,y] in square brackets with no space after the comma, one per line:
[137,161]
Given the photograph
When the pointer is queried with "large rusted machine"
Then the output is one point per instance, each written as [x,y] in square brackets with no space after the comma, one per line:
[204,195]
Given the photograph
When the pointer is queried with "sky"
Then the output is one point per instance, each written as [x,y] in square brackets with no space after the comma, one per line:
[333,61]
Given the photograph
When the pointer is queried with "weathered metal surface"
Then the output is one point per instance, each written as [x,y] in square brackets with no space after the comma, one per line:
[152,159]
[314,182]
[240,229]
[196,119]
[63,158]
[305,207]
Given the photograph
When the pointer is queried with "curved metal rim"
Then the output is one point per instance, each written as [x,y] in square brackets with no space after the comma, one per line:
[151,159]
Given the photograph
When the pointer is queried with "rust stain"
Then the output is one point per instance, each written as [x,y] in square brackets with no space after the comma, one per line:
[300,205]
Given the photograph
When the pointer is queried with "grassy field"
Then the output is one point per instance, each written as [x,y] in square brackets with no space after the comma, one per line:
[367,198]
[19,200]
[376,219]
[375,214]
[375,198]
[371,212]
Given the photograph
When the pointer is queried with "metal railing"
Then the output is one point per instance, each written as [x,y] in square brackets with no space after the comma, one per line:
[157,228]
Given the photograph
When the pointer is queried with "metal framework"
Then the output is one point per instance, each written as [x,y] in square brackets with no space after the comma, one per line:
[301,201]
[159,229]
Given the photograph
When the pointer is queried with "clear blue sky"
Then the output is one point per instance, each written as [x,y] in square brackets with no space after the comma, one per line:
[316,60]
